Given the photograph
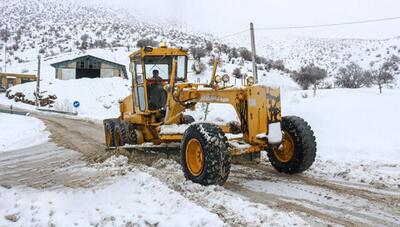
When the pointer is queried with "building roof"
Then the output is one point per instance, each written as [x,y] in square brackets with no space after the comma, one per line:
[66,62]
[18,75]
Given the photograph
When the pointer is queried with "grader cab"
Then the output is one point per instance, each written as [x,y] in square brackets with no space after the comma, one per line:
[154,113]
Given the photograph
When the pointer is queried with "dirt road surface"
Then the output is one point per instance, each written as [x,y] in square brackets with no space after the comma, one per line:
[75,144]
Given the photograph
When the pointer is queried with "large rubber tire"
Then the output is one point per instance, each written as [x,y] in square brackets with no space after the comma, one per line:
[109,132]
[128,134]
[217,159]
[305,147]
[119,134]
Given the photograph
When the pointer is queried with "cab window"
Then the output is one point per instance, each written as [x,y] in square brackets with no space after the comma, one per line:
[163,65]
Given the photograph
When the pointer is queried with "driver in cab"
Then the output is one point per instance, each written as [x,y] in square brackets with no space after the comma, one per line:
[157,96]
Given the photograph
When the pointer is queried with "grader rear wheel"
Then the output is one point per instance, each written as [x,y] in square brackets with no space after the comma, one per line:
[298,149]
[205,157]
[118,135]
[109,132]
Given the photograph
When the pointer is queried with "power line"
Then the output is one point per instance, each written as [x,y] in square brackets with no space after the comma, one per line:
[331,25]
[315,25]
[233,34]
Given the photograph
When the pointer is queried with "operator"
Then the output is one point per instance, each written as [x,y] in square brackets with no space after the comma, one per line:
[157,94]
[156,76]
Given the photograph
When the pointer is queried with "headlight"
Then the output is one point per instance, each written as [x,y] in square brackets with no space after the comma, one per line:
[225,78]
[218,78]
[250,80]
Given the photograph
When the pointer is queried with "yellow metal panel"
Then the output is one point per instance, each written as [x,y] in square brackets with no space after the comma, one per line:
[257,112]
[274,105]
[171,137]
[159,51]
[252,149]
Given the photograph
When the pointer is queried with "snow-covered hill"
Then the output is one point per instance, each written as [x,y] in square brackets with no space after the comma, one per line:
[51,28]
[330,54]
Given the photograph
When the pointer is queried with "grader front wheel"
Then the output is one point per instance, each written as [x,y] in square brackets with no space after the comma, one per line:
[298,148]
[205,157]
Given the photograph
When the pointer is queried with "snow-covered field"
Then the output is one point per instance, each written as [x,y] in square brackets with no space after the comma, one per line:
[18,132]
[99,98]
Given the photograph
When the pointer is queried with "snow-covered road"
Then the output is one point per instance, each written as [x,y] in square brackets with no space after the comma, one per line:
[18,132]
[72,187]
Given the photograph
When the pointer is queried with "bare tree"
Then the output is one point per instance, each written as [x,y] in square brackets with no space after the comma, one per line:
[310,75]
[385,75]
[351,76]
[381,78]
[198,52]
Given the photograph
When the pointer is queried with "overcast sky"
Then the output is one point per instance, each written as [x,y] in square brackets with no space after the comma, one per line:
[227,16]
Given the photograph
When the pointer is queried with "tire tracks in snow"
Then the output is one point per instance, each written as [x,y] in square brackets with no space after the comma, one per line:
[344,205]
[240,202]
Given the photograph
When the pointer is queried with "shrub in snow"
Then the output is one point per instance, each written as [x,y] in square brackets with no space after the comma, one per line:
[223,48]
[198,67]
[84,44]
[146,42]
[100,43]
[237,73]
[245,53]
[271,64]
[309,75]
[233,53]
[209,46]
[198,52]
[391,65]
[4,35]
[261,60]
[351,76]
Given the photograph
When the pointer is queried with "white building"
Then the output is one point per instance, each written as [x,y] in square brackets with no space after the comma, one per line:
[88,66]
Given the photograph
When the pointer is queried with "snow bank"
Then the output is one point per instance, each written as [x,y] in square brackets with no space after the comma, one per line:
[137,199]
[356,130]
[18,132]
[98,97]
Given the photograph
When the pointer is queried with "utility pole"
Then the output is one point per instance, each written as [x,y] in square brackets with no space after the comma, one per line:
[253,52]
[38,84]
[5,56]
[5,48]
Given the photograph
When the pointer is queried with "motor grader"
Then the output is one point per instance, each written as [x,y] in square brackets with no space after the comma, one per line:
[155,113]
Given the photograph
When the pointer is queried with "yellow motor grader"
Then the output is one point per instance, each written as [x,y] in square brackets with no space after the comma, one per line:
[154,113]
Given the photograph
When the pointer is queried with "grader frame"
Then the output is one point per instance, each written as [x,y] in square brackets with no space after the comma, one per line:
[257,107]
